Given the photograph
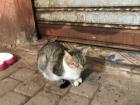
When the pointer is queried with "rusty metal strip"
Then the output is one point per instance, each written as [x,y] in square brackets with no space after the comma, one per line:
[134,27]
[90,9]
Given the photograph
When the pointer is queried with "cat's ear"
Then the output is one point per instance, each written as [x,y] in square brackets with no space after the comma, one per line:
[67,54]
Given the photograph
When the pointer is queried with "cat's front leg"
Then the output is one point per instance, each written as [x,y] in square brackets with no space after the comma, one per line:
[77,82]
[64,83]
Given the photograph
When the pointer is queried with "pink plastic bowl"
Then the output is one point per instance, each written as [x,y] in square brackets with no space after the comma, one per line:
[6,59]
[2,65]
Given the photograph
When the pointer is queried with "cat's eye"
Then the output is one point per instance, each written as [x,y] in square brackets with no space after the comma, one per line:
[74,64]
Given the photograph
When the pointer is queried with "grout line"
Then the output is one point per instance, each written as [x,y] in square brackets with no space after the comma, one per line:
[94,93]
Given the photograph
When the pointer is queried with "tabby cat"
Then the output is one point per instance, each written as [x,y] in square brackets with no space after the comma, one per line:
[56,63]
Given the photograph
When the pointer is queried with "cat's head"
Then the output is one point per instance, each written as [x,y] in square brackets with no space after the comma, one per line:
[75,59]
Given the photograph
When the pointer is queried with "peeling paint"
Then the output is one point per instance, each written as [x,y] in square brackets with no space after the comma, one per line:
[136,27]
[124,18]
[86,3]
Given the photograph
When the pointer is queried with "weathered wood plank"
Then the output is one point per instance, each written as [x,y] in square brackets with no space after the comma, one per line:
[103,35]
[98,43]
[81,21]
[86,3]
[132,27]
[124,18]
[89,9]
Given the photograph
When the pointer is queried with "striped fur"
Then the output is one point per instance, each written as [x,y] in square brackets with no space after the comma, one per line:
[55,63]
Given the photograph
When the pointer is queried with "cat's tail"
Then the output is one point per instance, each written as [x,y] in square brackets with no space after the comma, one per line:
[41,62]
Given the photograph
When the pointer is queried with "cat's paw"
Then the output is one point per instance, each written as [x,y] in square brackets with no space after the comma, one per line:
[80,80]
[44,75]
[64,84]
[77,82]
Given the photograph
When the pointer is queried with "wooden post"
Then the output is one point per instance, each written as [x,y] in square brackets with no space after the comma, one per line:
[16,21]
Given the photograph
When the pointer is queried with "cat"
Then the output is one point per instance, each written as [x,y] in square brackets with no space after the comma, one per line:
[56,63]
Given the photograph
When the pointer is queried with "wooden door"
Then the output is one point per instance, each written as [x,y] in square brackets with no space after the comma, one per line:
[111,23]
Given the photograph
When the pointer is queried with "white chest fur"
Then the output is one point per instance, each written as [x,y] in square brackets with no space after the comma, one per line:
[70,74]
